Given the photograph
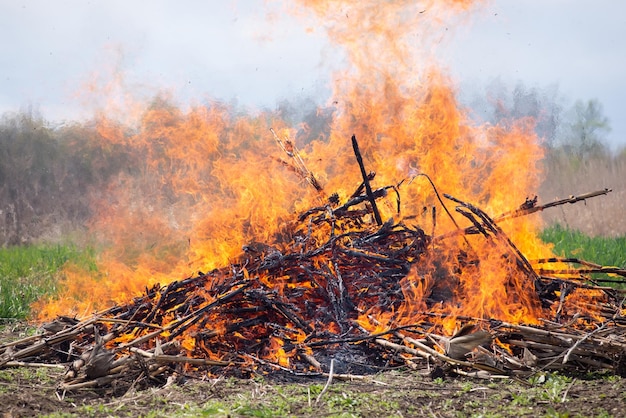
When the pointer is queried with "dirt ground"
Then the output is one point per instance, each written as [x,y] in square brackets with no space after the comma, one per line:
[403,394]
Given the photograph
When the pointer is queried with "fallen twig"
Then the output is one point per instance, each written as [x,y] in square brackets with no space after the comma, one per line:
[328,382]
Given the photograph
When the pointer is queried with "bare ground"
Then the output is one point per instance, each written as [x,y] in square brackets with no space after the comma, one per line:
[404,394]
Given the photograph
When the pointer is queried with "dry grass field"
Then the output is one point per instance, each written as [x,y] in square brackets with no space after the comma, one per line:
[600,216]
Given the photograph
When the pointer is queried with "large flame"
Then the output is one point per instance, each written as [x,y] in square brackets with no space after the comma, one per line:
[204,182]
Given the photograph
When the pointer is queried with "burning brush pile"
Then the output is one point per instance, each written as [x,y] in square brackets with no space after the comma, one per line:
[359,273]
[342,291]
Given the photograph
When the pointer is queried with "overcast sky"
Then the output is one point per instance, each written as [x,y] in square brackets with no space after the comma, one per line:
[52,50]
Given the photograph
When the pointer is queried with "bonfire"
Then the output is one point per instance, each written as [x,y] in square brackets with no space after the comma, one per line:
[343,292]
[400,235]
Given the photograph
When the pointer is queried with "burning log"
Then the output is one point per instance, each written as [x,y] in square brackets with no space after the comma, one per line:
[311,304]
[366,181]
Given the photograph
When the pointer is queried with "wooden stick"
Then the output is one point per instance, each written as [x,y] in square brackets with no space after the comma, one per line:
[127,322]
[527,211]
[608,344]
[292,151]
[577,343]
[101,381]
[368,187]
[604,270]
[163,358]
[27,364]
[330,379]
[567,390]
[572,199]
[480,374]
[60,337]
[351,377]
[310,359]
[23,341]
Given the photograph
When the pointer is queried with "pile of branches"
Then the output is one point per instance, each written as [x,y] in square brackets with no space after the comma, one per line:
[296,308]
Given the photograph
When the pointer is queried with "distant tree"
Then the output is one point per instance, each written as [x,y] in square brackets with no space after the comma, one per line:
[567,130]
[584,130]
[502,104]
[26,151]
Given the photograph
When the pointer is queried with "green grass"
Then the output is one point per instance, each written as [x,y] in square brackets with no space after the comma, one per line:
[599,250]
[29,272]
[608,252]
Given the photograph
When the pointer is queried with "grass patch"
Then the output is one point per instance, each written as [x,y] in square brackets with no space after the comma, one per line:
[29,272]
[608,252]
[600,250]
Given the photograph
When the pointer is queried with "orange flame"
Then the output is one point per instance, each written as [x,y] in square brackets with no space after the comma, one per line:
[203,183]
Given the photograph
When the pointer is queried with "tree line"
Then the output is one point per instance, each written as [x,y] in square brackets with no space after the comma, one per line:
[47,176]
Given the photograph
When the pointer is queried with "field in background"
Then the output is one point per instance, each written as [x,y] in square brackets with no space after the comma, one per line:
[52,179]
